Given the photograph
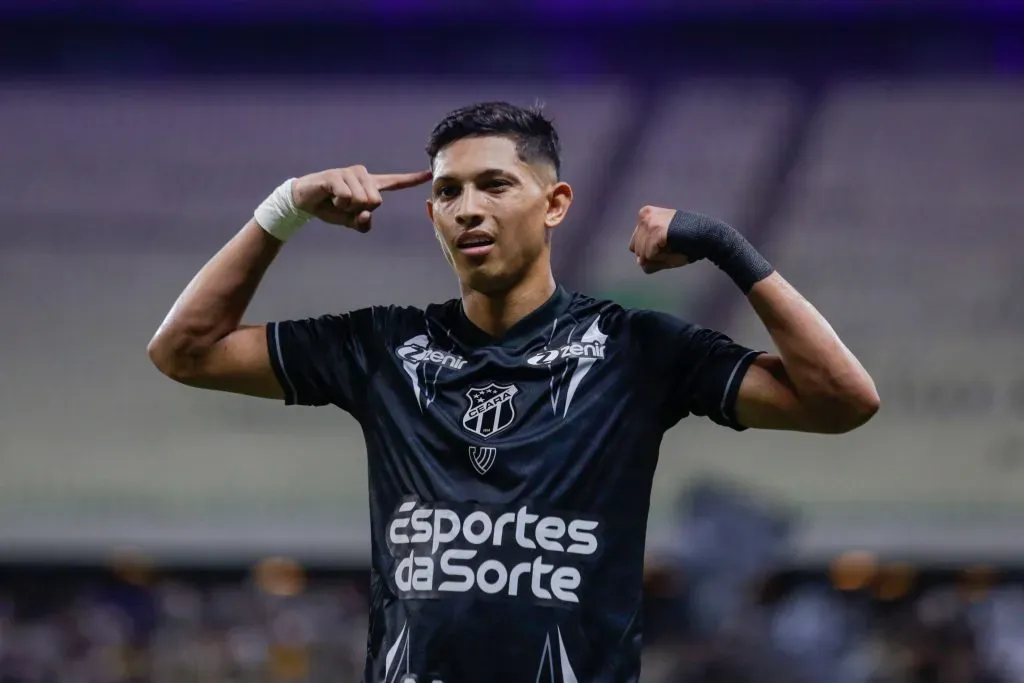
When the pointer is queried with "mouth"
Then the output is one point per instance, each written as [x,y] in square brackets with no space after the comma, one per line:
[474,243]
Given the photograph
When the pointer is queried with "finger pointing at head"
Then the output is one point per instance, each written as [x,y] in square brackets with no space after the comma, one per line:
[401,181]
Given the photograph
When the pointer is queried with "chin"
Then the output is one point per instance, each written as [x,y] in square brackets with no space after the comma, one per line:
[487,279]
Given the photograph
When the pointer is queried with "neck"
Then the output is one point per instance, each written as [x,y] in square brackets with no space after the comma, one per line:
[496,313]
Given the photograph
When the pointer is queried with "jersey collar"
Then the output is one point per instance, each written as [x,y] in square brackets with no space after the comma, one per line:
[534,324]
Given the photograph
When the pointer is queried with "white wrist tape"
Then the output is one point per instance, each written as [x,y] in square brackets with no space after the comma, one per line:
[278,214]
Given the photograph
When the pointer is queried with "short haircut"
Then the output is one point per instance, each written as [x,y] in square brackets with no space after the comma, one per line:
[534,135]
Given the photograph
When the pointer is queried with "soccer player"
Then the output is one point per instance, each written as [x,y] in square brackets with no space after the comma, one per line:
[512,433]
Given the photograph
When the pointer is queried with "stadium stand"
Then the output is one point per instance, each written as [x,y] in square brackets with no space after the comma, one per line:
[904,227]
[702,148]
[116,213]
[148,183]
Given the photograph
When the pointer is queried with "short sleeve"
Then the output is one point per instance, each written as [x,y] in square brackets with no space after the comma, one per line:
[326,360]
[695,370]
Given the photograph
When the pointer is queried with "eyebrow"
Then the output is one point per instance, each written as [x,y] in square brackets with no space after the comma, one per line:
[486,172]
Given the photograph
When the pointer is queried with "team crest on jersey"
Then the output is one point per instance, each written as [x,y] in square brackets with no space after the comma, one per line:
[491,409]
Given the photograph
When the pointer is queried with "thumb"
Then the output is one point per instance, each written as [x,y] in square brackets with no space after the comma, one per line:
[401,181]
[364,221]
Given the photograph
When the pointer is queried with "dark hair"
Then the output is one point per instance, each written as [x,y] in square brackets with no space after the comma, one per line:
[534,135]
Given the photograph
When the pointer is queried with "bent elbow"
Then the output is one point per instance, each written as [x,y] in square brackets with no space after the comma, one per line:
[864,401]
[870,405]
[156,350]
[851,412]
[165,358]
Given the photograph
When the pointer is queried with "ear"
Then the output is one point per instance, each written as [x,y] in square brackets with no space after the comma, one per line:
[559,201]
[430,211]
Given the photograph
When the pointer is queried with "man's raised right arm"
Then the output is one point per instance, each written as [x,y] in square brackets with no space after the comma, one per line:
[202,341]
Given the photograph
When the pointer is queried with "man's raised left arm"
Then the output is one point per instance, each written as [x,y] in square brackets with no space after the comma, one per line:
[814,383]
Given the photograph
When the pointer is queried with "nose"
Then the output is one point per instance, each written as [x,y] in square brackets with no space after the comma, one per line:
[470,213]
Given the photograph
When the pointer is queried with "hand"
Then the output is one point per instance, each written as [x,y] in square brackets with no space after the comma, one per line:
[348,196]
[650,241]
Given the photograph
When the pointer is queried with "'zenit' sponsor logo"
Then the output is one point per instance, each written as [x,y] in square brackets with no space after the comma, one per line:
[571,350]
[515,554]
[418,350]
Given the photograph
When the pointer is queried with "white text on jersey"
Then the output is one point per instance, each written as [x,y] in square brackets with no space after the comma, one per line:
[516,554]
[593,350]
[417,350]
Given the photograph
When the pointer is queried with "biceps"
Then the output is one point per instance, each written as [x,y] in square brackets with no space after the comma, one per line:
[768,400]
[240,364]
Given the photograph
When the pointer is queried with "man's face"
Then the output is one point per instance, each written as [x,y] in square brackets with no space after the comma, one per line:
[493,211]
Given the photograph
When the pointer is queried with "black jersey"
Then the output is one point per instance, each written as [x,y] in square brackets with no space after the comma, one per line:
[509,477]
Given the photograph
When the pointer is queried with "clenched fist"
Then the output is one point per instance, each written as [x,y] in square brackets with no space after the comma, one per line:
[650,241]
[348,196]
[666,238]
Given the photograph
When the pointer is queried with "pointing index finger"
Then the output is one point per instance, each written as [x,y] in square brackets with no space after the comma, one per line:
[401,181]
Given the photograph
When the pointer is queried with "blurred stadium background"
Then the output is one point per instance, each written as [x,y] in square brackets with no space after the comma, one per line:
[873,149]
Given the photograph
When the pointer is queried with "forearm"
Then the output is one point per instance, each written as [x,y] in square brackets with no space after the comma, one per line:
[213,303]
[828,379]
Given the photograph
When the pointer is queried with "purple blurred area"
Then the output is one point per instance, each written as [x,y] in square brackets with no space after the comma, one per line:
[232,10]
[873,149]
[644,39]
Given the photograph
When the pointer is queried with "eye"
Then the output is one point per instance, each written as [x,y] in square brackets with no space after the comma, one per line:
[447,192]
[496,185]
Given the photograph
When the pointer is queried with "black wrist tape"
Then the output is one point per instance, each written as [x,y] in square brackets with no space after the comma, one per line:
[698,237]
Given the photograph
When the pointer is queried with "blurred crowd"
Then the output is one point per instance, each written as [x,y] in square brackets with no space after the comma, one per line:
[243,630]
[262,628]
[726,608]
[814,632]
